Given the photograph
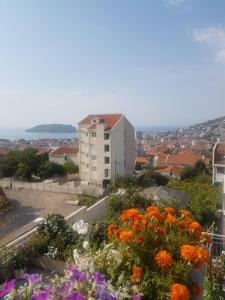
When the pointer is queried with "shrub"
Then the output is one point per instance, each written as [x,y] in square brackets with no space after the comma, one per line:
[71,167]
[156,251]
[97,233]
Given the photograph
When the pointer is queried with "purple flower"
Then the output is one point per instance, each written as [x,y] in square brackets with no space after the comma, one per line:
[32,278]
[136,297]
[43,295]
[98,278]
[102,294]
[75,296]
[77,275]
[8,287]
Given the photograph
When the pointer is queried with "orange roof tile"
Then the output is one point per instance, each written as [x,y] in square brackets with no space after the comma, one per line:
[141,160]
[65,150]
[183,158]
[109,120]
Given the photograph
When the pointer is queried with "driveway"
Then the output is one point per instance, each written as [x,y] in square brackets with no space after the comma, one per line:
[29,205]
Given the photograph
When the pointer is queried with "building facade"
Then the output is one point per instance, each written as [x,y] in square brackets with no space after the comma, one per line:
[218,163]
[107,148]
[62,155]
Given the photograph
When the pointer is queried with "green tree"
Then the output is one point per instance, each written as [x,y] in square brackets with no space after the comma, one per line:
[191,172]
[71,168]
[49,169]
[204,199]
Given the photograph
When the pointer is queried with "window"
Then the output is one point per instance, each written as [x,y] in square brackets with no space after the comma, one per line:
[106,136]
[93,134]
[94,169]
[106,148]
[220,170]
[106,160]
[94,157]
[106,172]
[87,165]
[86,133]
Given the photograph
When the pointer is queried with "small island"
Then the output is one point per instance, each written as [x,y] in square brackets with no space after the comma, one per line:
[52,128]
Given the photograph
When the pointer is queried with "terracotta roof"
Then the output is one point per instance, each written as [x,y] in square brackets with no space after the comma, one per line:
[220,149]
[64,150]
[172,170]
[141,160]
[183,158]
[109,120]
[3,152]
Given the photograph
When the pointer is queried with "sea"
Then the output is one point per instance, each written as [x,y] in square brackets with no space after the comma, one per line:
[13,134]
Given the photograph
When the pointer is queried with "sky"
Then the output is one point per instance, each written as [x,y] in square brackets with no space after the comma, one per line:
[159,62]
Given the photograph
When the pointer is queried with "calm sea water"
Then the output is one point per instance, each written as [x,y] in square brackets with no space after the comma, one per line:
[20,133]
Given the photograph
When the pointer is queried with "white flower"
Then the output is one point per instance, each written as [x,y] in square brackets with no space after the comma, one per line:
[80,227]
[75,254]
[85,245]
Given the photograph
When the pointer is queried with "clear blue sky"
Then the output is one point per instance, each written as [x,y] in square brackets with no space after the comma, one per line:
[160,62]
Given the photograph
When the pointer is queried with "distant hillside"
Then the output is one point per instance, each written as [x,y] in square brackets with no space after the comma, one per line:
[52,128]
[211,129]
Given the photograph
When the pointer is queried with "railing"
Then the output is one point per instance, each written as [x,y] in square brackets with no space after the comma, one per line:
[218,245]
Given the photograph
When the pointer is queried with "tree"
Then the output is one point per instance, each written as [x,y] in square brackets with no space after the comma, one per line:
[49,169]
[71,167]
[191,172]
[204,199]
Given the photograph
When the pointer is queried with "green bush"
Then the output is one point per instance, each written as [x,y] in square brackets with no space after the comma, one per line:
[71,167]
[97,233]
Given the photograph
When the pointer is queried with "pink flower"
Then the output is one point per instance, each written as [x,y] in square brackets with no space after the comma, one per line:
[8,287]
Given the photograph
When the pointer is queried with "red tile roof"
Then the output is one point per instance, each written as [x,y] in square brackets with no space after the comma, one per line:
[183,158]
[65,150]
[172,170]
[109,120]
[141,160]
[3,152]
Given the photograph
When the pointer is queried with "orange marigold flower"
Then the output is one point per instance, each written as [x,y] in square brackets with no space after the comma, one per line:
[164,259]
[131,214]
[171,219]
[179,292]
[196,290]
[160,231]
[125,236]
[195,229]
[170,211]
[194,254]
[153,211]
[136,276]
[111,230]
[182,224]
[185,213]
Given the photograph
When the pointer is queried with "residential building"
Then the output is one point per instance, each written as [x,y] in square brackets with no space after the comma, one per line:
[62,155]
[107,148]
[218,163]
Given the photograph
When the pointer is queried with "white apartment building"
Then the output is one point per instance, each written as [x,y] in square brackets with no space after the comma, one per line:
[218,163]
[107,148]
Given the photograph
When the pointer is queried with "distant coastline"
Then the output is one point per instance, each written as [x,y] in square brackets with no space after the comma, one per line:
[52,128]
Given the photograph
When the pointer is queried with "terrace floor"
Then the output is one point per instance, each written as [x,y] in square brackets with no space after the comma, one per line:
[29,205]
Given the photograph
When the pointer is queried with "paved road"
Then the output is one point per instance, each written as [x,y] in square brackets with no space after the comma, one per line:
[27,206]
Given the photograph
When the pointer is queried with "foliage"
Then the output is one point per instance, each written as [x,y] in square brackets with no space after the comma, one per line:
[155,250]
[125,181]
[71,168]
[49,169]
[5,263]
[97,233]
[20,257]
[85,200]
[4,203]
[157,178]
[58,234]
[204,199]
[191,172]
[22,163]
[131,198]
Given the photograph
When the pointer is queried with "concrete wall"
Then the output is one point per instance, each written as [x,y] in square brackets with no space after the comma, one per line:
[129,147]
